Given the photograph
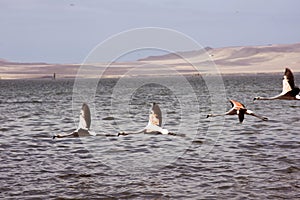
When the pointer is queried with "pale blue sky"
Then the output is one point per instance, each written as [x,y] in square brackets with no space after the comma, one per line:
[65,31]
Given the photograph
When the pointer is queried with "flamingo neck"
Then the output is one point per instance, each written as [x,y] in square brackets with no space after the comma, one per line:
[265,98]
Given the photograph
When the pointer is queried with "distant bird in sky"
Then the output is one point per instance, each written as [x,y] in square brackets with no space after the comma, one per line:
[83,126]
[289,90]
[154,123]
[240,110]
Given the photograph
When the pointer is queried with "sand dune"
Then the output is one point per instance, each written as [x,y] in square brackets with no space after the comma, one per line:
[228,60]
[250,59]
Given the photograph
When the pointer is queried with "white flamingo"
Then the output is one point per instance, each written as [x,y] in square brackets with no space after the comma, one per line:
[289,90]
[154,124]
[83,126]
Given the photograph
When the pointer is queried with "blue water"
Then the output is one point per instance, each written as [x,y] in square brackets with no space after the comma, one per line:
[208,159]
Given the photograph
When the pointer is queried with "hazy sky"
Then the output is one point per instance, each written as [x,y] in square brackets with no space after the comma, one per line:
[65,31]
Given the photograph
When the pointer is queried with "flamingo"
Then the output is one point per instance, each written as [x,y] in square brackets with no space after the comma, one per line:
[154,123]
[289,90]
[240,110]
[83,126]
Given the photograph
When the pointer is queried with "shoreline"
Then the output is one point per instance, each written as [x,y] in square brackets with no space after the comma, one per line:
[156,76]
[227,61]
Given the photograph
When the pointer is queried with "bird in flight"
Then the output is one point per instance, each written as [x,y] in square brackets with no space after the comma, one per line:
[83,126]
[289,90]
[154,123]
[240,110]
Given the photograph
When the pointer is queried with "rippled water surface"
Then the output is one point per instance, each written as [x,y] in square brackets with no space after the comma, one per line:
[210,158]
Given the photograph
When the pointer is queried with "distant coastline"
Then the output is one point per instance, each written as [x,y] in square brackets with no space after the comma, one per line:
[229,61]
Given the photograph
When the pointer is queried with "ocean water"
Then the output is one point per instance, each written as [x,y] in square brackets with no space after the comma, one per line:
[210,158]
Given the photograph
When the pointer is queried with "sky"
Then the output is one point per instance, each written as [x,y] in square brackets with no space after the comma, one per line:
[65,31]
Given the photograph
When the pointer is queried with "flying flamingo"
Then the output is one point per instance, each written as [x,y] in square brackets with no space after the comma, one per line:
[289,90]
[240,110]
[83,126]
[154,123]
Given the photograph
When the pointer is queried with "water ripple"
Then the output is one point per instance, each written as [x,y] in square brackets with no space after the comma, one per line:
[253,160]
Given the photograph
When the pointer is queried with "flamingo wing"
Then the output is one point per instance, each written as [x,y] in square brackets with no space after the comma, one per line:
[232,111]
[85,117]
[155,116]
[236,104]
[288,81]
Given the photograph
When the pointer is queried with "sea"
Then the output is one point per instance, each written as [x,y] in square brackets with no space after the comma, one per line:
[203,158]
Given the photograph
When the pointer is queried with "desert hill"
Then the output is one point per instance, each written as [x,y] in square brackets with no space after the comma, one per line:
[227,60]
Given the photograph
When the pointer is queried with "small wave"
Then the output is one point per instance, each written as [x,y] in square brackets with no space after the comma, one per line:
[4,129]
[289,170]
[23,102]
[138,195]
[108,118]
[225,187]
[26,102]
[171,112]
[74,176]
[24,116]
[293,106]
[288,146]
[197,142]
